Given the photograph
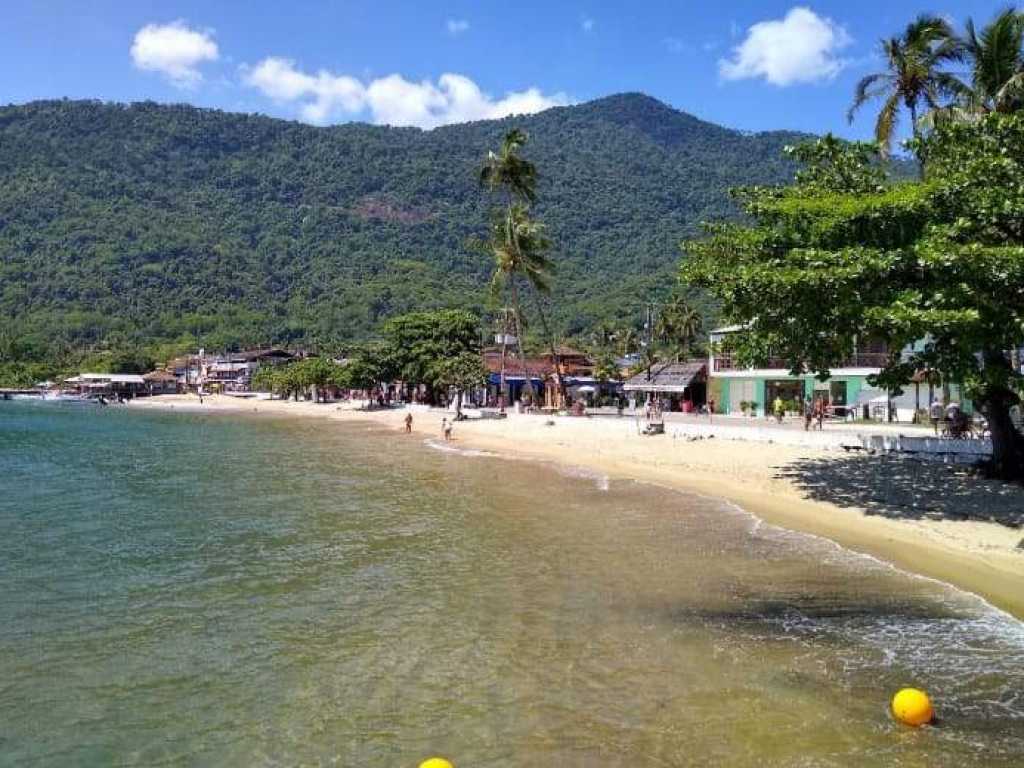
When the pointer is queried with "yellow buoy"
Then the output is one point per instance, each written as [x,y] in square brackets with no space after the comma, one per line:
[436,762]
[912,707]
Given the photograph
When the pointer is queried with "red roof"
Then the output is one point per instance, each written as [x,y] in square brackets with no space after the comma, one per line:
[539,366]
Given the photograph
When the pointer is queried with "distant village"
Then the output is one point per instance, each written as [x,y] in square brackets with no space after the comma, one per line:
[715,384]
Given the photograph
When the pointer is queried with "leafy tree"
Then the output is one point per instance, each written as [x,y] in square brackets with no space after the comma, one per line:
[131,361]
[365,371]
[416,343]
[605,367]
[940,262]
[318,373]
[463,372]
[913,78]
[832,164]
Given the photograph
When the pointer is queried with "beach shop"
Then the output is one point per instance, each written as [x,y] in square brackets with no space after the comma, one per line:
[538,370]
[738,389]
[847,393]
[675,386]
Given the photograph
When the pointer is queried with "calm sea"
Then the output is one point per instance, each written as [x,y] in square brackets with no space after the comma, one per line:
[208,590]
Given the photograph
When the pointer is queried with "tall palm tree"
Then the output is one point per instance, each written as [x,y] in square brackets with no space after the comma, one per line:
[679,325]
[628,339]
[997,63]
[517,242]
[996,57]
[913,78]
[505,170]
[518,245]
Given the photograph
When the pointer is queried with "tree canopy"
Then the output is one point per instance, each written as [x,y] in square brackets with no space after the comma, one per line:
[935,269]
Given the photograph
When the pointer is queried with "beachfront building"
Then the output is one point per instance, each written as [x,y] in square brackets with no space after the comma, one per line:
[186,371]
[847,393]
[737,389]
[233,371]
[161,383]
[575,366]
[674,386]
[127,385]
[577,369]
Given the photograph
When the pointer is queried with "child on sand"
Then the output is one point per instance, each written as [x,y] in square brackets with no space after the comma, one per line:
[408,423]
[446,429]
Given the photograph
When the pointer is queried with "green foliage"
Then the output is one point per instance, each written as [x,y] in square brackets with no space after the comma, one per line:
[940,261]
[833,165]
[365,371]
[605,367]
[997,64]
[462,372]
[418,342]
[300,376]
[153,224]
[678,328]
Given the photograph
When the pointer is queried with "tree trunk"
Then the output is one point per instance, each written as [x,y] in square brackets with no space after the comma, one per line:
[502,390]
[913,127]
[996,401]
[519,339]
[1007,442]
[555,359]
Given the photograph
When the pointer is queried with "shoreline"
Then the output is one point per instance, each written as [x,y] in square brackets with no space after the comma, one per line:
[979,556]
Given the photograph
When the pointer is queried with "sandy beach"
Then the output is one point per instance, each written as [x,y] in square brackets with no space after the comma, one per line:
[931,519]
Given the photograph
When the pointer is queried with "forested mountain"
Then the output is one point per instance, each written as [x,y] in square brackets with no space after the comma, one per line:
[147,222]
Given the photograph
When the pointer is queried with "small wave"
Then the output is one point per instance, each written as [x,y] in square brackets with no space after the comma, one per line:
[600,479]
[437,445]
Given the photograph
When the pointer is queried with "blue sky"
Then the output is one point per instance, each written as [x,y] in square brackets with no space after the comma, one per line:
[754,65]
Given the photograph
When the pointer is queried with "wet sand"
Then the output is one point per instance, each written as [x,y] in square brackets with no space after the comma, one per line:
[927,519]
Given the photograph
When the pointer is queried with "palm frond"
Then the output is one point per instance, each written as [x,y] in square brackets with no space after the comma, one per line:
[865,92]
[885,126]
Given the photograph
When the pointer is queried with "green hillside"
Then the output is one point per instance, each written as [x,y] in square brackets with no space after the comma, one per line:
[148,223]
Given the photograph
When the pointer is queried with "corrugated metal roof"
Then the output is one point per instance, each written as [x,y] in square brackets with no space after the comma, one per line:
[667,377]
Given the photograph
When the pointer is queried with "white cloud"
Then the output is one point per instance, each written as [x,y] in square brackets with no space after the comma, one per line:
[325,97]
[175,50]
[587,24]
[456,26]
[322,95]
[800,48]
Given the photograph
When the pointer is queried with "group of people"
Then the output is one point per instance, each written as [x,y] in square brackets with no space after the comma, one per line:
[951,417]
[446,427]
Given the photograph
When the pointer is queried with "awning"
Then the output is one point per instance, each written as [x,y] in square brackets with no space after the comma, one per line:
[667,377]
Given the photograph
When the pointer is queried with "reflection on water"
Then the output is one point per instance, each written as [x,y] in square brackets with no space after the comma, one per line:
[223,591]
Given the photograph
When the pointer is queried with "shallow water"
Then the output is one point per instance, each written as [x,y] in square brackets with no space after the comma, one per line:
[211,590]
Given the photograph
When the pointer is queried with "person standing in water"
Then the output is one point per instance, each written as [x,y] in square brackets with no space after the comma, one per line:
[408,423]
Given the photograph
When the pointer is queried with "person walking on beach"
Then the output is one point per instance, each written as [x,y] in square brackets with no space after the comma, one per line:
[711,408]
[446,428]
[935,414]
[819,412]
[408,423]
[779,408]
[808,414]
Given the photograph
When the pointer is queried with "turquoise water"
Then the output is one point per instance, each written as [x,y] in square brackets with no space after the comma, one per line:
[208,590]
